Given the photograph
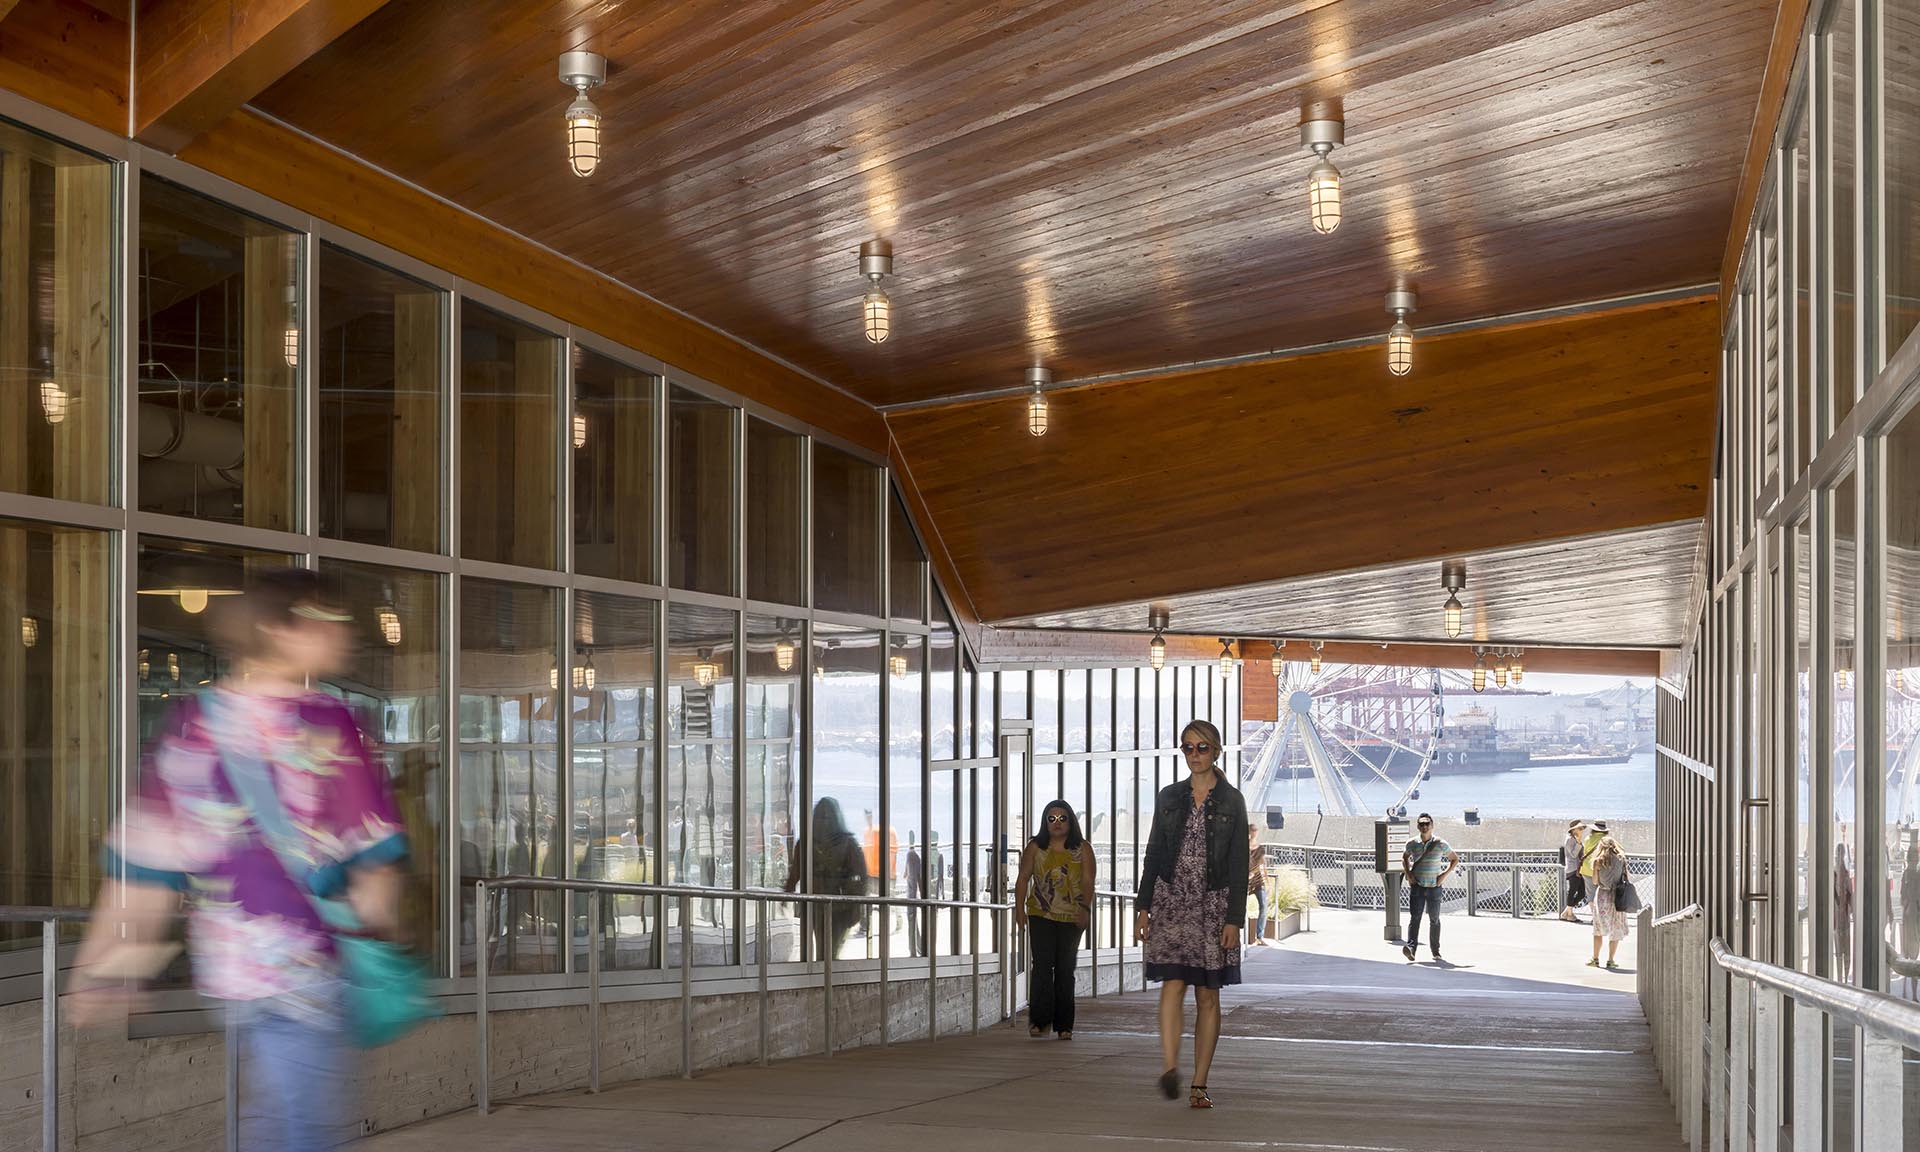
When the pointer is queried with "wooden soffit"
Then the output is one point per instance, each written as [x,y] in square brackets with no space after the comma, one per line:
[1187,483]
[70,56]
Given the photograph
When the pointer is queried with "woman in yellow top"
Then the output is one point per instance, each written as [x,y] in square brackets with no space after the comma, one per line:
[1053,895]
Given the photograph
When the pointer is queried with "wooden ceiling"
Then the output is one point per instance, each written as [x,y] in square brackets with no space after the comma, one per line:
[1627,589]
[1104,185]
[1156,489]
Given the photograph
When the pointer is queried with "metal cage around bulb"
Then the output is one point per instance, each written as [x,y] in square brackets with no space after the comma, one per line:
[876,313]
[29,631]
[783,655]
[53,402]
[1037,413]
[1323,197]
[1400,348]
[579,430]
[388,621]
[1157,652]
[1453,612]
[583,136]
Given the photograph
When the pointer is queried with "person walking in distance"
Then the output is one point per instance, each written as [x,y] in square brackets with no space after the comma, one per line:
[1192,901]
[1426,863]
[1053,897]
[1257,886]
[1609,923]
[1573,856]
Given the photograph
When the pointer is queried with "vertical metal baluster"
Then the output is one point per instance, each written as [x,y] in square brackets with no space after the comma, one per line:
[1093,939]
[230,1089]
[1513,893]
[973,933]
[50,1035]
[826,953]
[932,937]
[593,991]
[483,941]
[686,987]
[1766,1070]
[1880,1091]
[764,919]
[886,940]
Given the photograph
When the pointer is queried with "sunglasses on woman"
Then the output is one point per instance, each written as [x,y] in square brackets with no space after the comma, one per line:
[1056,818]
[1190,749]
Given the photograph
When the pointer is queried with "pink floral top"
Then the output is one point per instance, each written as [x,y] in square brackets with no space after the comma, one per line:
[253,932]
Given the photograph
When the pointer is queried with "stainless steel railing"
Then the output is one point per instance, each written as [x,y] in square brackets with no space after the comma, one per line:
[1511,882]
[1746,1049]
[762,899]
[1670,974]
[49,920]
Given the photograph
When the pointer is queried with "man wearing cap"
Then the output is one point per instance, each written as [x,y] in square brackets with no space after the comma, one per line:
[1426,862]
[1572,856]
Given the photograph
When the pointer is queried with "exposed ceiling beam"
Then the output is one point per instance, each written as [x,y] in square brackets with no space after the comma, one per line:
[196,61]
[1788,25]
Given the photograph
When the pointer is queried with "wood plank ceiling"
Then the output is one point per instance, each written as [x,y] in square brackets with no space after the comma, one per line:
[1101,185]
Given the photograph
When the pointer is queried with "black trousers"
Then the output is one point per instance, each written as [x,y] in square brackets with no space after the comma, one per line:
[1428,900]
[1054,954]
[1576,890]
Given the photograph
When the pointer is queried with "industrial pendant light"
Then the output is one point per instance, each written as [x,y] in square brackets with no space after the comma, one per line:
[389,622]
[1453,577]
[584,71]
[1400,302]
[1226,657]
[1279,659]
[783,654]
[290,339]
[705,671]
[1321,137]
[29,631]
[1037,400]
[1514,669]
[579,430]
[1479,669]
[1157,647]
[1314,664]
[53,402]
[876,309]
[1500,667]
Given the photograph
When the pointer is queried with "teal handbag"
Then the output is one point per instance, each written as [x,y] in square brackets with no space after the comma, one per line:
[385,991]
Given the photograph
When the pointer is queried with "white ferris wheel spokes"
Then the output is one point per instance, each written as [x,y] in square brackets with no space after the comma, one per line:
[1361,738]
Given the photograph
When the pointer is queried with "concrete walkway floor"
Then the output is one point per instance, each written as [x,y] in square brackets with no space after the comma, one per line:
[1334,1044]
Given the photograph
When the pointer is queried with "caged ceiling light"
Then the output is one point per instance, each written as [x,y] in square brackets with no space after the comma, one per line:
[29,631]
[876,308]
[1279,661]
[388,621]
[1313,665]
[783,654]
[1040,378]
[1321,136]
[579,430]
[1400,302]
[1479,669]
[1500,667]
[53,402]
[1453,577]
[1157,647]
[1514,669]
[705,671]
[1226,657]
[583,71]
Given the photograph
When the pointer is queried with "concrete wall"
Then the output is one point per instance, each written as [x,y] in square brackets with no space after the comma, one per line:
[167,1094]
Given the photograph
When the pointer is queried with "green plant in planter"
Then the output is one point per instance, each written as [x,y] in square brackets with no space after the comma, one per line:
[1292,890]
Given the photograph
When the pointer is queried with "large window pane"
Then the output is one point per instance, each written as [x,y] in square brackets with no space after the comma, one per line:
[509,481]
[383,360]
[57,378]
[57,682]
[1126,730]
[1073,710]
[776,512]
[1901,614]
[1805,865]
[1100,711]
[699,492]
[612,438]
[942,685]
[943,857]
[906,682]
[179,586]
[1845,867]
[906,566]
[1046,711]
[846,532]
[509,803]
[219,346]
[614,817]
[771,781]
[700,702]
[1900,105]
[846,781]
[395,687]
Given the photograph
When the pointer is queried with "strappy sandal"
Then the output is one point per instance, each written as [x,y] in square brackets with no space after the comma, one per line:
[1067,1035]
[1170,1083]
[1197,1097]
[1036,1031]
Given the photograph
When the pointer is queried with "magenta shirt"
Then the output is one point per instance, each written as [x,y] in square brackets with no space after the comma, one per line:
[253,932]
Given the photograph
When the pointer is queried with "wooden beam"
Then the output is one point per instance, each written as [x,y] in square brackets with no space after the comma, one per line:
[7,7]
[1788,29]
[197,61]
[70,57]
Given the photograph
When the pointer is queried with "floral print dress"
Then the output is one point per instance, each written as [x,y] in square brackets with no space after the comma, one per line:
[1183,937]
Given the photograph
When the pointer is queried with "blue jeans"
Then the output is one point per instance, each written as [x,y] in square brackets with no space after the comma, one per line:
[1260,919]
[1419,899]
[295,1083]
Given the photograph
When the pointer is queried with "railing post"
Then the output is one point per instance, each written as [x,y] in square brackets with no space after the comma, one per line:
[1809,1058]
[1880,1091]
[483,942]
[1347,892]
[1473,891]
[1720,1000]
[765,920]
[1740,1049]
[1766,1070]
[1093,941]
[50,1035]
[1513,893]
[593,991]
[931,937]
[826,954]
[885,918]
[973,933]
[686,987]
[230,1079]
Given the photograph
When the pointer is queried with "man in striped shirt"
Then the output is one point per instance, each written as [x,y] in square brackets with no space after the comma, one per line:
[1427,862]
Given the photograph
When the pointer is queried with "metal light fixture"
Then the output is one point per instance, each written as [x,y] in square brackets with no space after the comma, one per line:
[579,430]
[553,674]
[1514,669]
[1500,667]
[1321,137]
[29,631]
[1037,400]
[1314,664]
[583,71]
[1479,669]
[1400,302]
[191,582]
[1279,661]
[53,401]
[876,309]
[897,664]
[1453,577]
[143,666]
[173,667]
[1226,657]
[705,671]
[783,654]
[1843,679]
[584,676]
[820,663]
[1157,647]
[291,337]
[389,622]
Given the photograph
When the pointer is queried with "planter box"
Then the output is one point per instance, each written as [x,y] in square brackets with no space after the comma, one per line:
[1281,927]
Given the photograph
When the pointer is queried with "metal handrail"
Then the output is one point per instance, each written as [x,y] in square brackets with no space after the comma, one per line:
[49,920]
[1896,1019]
[762,897]
[1687,913]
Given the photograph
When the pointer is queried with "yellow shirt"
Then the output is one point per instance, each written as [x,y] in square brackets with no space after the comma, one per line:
[1057,879]
[1587,853]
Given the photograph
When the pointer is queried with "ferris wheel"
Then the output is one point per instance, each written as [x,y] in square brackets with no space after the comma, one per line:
[1366,736]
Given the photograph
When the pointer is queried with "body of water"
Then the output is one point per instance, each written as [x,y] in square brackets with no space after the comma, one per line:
[1597,792]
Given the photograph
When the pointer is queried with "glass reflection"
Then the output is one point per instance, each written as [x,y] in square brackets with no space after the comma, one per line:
[846,532]
[770,782]
[906,566]
[611,434]
[906,871]
[1901,616]
[843,855]
[776,489]
[612,678]
[509,475]
[699,776]
[700,497]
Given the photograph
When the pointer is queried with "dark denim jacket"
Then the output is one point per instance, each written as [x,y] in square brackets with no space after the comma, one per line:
[1226,843]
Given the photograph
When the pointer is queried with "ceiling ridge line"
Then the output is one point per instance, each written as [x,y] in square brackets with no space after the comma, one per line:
[1688,292]
[559,255]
